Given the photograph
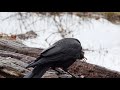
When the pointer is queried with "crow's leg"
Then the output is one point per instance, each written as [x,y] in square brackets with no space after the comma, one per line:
[73,76]
[61,71]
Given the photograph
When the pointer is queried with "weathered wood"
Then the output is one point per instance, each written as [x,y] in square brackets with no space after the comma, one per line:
[18,47]
[13,66]
[88,70]
[21,57]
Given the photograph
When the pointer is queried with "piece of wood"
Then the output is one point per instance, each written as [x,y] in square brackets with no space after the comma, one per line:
[13,66]
[88,70]
[18,47]
[21,57]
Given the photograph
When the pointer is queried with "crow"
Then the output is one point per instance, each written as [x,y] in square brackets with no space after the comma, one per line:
[62,53]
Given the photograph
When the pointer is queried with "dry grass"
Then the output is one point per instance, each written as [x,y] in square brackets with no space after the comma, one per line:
[114,17]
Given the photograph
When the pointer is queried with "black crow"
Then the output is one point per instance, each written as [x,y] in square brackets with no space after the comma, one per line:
[61,54]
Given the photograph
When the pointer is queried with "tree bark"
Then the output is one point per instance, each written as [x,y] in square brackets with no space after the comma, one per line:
[87,70]
[18,47]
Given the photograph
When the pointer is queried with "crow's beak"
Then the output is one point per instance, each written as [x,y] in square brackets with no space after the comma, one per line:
[84,59]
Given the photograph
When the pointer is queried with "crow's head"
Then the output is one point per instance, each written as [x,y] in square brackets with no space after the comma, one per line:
[81,55]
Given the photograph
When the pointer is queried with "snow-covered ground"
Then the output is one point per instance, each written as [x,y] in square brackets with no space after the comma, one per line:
[101,37]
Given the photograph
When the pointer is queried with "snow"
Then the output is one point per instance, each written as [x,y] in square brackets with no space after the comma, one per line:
[101,37]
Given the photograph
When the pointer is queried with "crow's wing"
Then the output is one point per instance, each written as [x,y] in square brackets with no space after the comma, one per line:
[44,57]
[53,50]
[59,56]
[55,53]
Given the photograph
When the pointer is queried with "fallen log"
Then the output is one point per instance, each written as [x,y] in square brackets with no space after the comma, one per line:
[14,57]
[18,47]
[21,57]
[87,70]
[13,67]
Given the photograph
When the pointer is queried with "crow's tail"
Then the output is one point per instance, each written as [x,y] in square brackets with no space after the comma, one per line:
[37,72]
